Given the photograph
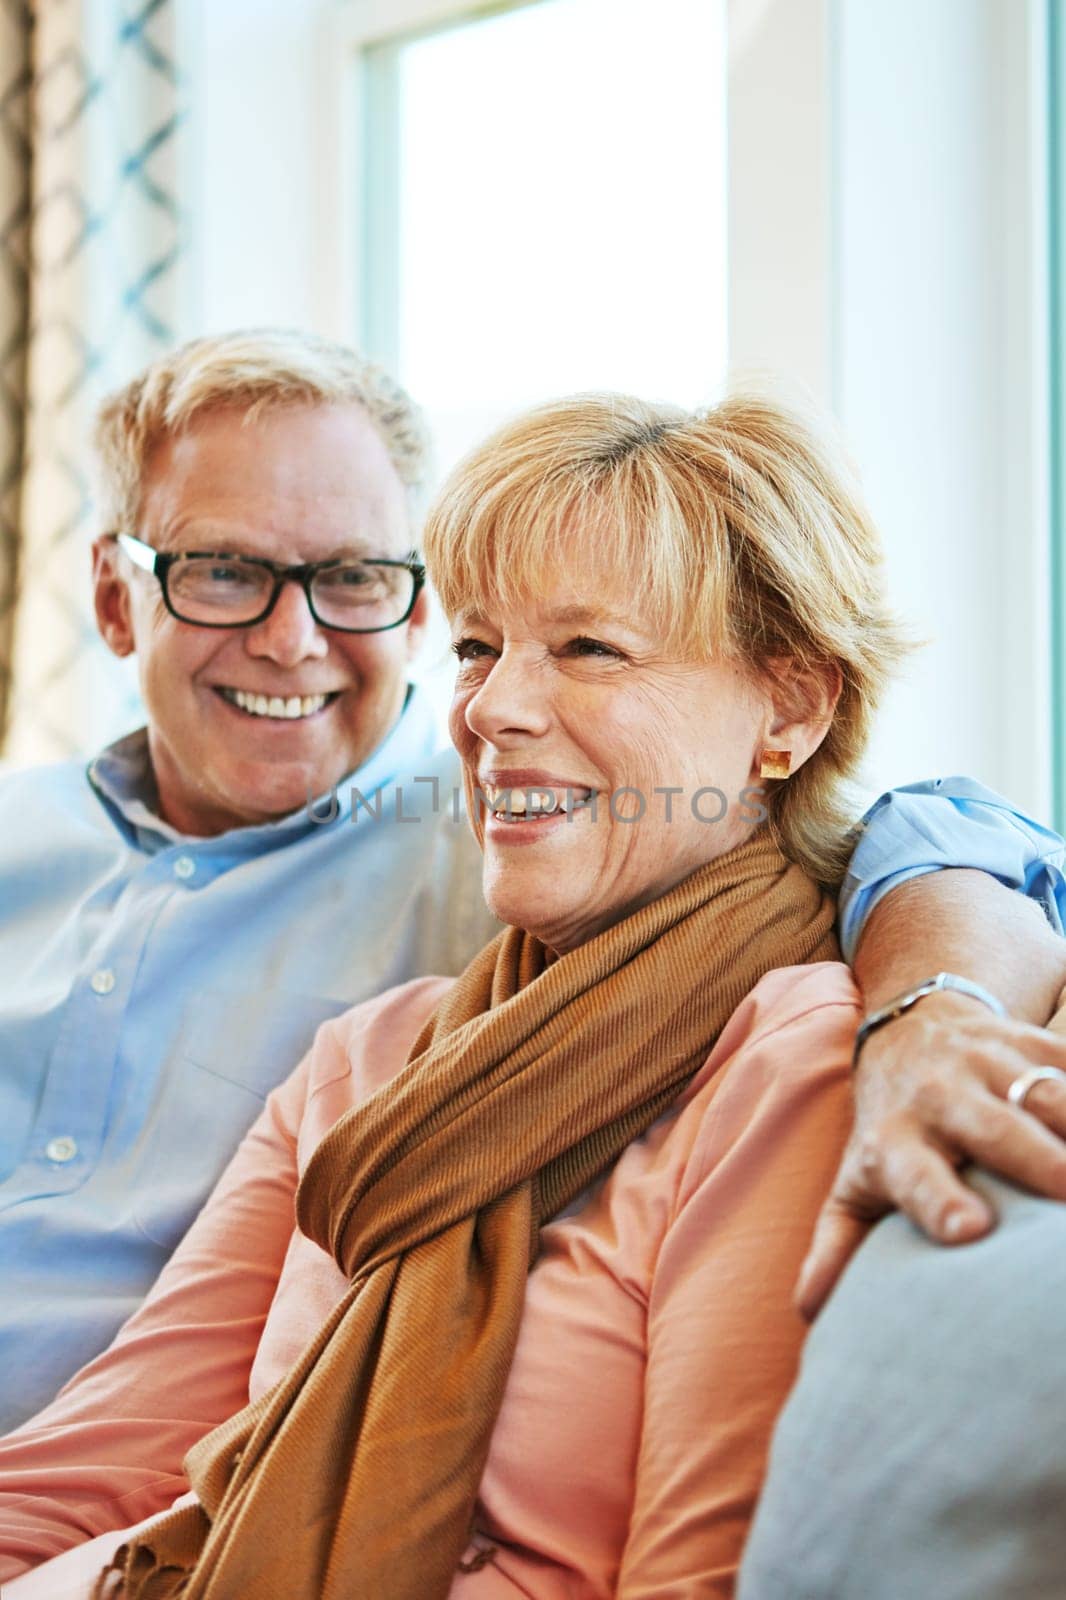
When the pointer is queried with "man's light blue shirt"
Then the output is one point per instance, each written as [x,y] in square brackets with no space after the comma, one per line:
[156,987]
[949,822]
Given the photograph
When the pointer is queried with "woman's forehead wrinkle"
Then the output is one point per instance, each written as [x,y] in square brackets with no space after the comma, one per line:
[579,614]
[570,614]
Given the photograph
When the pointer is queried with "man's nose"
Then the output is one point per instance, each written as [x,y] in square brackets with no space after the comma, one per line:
[290,633]
[514,701]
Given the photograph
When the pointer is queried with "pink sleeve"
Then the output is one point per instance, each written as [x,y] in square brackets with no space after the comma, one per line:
[108,1451]
[723,1338]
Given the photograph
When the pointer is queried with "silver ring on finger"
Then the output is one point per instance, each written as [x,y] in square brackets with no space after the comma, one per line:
[1027,1081]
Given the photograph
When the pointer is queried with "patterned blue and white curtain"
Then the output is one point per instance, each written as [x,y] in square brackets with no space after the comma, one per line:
[15,78]
[91,111]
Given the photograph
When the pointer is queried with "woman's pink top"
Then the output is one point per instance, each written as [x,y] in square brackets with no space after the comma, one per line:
[657,1344]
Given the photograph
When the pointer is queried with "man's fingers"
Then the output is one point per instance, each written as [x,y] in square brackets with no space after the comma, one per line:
[1046,1101]
[920,1179]
[837,1236]
[1043,1044]
[903,1170]
[1013,1141]
[911,1136]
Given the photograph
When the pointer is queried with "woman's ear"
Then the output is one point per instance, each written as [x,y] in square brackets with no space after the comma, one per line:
[111,599]
[802,702]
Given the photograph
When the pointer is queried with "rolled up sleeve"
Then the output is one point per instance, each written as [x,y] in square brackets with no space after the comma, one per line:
[949,822]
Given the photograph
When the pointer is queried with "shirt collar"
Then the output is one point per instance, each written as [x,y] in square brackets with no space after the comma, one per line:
[123,778]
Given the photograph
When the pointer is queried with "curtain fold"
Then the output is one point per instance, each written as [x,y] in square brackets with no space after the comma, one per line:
[91,102]
[15,78]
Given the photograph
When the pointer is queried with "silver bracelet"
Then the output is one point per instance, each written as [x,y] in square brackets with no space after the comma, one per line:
[903,1002]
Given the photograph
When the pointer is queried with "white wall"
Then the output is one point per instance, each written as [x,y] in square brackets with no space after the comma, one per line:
[780,192]
[939,366]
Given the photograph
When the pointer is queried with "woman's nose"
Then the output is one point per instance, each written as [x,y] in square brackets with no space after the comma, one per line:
[513,702]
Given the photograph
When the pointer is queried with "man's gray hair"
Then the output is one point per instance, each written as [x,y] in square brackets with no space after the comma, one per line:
[248,370]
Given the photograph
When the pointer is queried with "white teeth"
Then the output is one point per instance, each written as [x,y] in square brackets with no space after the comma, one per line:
[261,705]
[534,801]
[517,802]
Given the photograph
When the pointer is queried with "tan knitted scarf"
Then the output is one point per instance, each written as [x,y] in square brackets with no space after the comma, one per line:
[355,1477]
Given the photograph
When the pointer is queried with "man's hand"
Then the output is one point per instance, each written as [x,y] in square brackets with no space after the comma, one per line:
[930,1096]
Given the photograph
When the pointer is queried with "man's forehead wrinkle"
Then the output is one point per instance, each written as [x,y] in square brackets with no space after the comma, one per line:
[326,465]
[217,536]
[179,513]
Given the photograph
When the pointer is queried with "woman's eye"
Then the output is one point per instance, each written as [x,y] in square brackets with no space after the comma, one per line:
[583,646]
[470,649]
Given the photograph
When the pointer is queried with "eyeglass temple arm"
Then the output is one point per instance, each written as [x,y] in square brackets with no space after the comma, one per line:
[141,554]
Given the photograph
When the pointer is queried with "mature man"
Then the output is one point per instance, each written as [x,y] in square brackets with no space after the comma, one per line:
[179,919]
[178,922]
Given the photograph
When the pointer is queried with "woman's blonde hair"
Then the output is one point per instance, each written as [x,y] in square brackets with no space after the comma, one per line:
[249,370]
[739,529]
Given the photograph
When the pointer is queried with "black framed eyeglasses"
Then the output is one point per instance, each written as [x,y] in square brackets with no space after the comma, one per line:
[216,589]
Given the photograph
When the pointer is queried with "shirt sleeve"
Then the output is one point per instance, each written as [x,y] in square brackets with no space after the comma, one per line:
[949,822]
[723,1337]
[108,1451]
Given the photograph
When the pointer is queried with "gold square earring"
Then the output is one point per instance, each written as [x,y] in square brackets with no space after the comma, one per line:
[775,764]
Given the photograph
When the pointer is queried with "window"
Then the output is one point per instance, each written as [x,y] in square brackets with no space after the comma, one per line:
[545,207]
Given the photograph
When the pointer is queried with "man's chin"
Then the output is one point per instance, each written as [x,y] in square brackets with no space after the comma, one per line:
[269,790]
[271,769]
[224,785]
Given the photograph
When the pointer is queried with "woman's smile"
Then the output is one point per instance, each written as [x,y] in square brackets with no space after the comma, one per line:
[522,807]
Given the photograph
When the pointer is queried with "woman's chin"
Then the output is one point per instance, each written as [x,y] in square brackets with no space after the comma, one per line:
[542,915]
[559,920]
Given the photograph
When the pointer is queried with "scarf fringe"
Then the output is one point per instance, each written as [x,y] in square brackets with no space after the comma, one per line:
[144,1582]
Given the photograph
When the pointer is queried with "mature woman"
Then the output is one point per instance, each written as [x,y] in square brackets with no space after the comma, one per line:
[534,1326]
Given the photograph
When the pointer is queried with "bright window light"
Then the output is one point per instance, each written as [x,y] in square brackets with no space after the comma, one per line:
[547,214]
[560,209]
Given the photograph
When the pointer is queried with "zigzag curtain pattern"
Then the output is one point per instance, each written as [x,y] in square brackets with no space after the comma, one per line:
[90,289]
[14,305]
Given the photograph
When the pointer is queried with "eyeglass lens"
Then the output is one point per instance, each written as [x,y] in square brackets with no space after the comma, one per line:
[357,595]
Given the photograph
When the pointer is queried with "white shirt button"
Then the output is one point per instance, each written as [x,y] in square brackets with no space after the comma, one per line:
[102,982]
[184,867]
[62,1149]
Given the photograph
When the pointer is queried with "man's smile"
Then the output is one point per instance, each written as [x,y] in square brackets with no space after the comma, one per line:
[289,708]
